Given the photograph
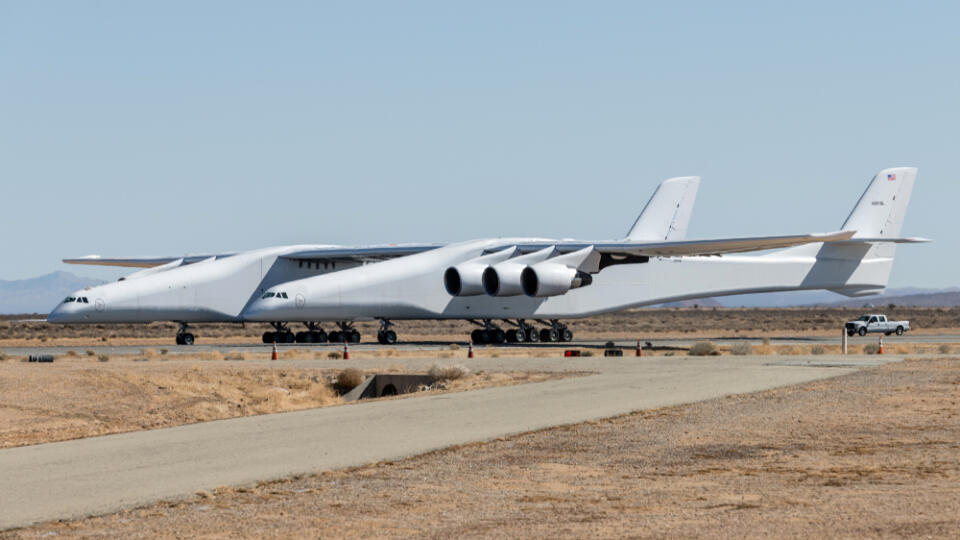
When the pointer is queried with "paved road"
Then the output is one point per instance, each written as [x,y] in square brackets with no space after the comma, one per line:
[104,474]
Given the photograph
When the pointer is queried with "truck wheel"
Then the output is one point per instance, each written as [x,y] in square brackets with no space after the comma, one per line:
[850,333]
[899,330]
[863,331]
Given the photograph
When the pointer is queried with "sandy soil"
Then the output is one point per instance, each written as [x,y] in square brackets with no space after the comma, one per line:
[632,324]
[83,397]
[873,454]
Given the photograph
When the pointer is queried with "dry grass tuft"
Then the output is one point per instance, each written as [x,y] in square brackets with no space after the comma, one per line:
[348,379]
[742,349]
[149,353]
[334,355]
[103,358]
[3,356]
[448,373]
[818,349]
[871,348]
[703,348]
[91,352]
[454,347]
[71,353]
[944,348]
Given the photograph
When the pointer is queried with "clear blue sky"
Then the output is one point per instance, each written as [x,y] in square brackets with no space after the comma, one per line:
[129,128]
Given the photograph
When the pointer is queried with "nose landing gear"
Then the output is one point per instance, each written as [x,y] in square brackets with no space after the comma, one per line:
[184,337]
[385,336]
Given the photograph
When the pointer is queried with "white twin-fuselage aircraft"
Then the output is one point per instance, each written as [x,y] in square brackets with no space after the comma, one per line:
[514,280]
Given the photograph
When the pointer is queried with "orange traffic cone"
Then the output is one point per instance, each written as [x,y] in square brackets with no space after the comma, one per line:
[346,351]
[275,355]
[639,349]
[470,349]
[880,350]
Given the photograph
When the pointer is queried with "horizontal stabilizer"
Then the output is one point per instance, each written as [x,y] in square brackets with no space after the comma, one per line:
[911,240]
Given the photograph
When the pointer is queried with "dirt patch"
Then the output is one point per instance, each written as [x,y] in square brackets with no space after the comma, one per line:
[82,397]
[873,454]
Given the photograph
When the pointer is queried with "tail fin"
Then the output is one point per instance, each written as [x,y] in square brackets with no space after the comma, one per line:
[667,213]
[861,266]
[880,211]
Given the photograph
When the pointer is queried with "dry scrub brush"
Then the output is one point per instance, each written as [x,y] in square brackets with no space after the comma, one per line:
[448,373]
[703,348]
[741,349]
[348,379]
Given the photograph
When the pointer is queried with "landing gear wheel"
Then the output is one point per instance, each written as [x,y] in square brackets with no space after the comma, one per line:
[299,337]
[498,336]
[387,338]
[533,336]
[549,335]
[335,337]
[566,334]
[512,336]
[268,337]
[354,336]
[289,337]
[318,337]
[899,330]
[477,336]
[862,331]
[186,339]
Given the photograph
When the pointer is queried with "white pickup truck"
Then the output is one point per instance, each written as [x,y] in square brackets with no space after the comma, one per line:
[876,323]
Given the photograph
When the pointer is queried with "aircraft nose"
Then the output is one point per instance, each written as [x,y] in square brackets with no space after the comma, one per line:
[63,313]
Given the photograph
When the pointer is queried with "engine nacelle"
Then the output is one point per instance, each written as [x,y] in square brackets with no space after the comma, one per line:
[551,279]
[464,279]
[503,279]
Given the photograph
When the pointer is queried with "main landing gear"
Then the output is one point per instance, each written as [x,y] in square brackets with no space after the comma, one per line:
[523,333]
[346,334]
[314,334]
[385,336]
[282,334]
[184,337]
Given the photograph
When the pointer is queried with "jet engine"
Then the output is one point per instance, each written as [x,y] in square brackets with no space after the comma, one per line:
[503,279]
[552,279]
[464,279]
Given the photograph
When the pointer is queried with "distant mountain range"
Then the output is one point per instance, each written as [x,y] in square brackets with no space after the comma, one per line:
[40,294]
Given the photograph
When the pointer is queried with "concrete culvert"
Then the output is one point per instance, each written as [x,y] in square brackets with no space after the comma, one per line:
[389,390]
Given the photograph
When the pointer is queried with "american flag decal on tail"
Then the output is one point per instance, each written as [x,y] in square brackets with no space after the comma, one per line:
[891,177]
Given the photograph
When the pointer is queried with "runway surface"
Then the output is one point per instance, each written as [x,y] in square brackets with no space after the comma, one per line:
[103,474]
[681,343]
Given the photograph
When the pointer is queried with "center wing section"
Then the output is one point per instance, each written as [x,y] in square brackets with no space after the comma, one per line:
[361,254]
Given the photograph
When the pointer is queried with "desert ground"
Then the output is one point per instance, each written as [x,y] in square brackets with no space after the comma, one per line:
[871,454]
[84,396]
[632,324]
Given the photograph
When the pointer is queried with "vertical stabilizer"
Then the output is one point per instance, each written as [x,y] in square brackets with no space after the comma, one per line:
[880,211]
[667,213]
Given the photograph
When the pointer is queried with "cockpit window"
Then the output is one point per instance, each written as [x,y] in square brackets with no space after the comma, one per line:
[274,295]
[69,299]
[85,301]
[267,295]
[283,294]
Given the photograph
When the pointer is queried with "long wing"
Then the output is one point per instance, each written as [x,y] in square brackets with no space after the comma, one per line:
[361,254]
[690,248]
[140,262]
